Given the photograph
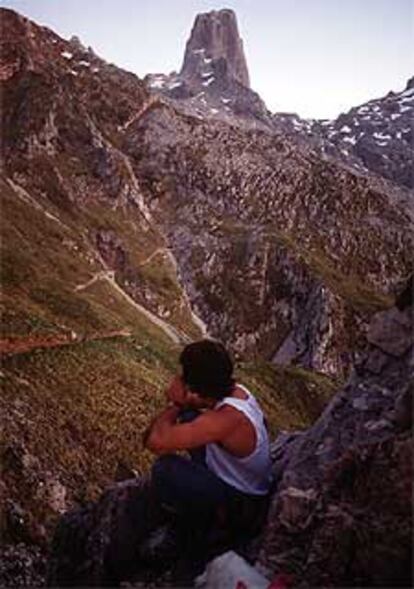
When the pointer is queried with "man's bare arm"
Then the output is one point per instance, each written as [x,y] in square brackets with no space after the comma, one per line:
[176,395]
[212,426]
[160,423]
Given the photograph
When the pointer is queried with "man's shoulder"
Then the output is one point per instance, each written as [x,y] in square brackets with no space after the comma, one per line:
[225,413]
[229,413]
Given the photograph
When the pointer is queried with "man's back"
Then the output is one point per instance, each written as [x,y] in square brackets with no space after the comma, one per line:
[249,471]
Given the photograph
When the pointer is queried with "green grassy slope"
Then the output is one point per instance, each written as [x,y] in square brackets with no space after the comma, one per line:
[43,261]
[76,412]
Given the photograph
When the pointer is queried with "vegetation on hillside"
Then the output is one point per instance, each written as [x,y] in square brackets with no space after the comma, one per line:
[74,415]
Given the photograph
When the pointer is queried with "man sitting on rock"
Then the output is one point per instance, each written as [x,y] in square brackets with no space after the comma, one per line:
[225,481]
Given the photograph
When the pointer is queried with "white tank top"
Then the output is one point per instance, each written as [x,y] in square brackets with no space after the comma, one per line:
[250,474]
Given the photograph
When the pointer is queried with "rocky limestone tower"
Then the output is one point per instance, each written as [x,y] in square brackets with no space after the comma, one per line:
[215,37]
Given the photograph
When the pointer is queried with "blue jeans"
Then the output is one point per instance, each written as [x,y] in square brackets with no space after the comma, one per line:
[192,496]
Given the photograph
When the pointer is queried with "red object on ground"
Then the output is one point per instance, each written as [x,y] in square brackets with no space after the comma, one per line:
[281,581]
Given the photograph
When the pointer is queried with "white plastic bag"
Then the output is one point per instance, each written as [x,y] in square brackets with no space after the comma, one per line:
[231,571]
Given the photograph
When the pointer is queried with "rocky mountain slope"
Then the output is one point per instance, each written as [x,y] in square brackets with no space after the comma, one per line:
[236,198]
[94,310]
[61,108]
[263,183]
[376,136]
[88,145]
[131,225]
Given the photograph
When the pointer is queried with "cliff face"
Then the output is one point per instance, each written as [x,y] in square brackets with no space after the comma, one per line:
[215,37]
[341,515]
[214,80]
[265,234]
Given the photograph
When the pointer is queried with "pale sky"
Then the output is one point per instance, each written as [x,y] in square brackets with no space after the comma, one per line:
[317,58]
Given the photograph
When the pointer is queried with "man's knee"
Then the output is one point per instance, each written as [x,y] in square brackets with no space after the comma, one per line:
[168,474]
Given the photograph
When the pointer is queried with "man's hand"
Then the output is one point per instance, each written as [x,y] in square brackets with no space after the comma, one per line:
[176,392]
[161,423]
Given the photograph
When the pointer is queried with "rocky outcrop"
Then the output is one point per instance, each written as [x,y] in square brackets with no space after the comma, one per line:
[214,80]
[98,545]
[214,37]
[126,537]
[341,515]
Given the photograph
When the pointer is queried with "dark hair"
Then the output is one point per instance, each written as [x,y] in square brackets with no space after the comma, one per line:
[207,369]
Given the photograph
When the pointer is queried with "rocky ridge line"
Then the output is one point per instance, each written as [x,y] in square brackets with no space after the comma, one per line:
[375,137]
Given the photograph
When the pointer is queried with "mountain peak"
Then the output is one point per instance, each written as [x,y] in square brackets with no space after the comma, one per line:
[215,36]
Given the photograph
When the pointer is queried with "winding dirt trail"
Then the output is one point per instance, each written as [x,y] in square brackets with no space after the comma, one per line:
[163,251]
[102,275]
[178,337]
[19,345]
